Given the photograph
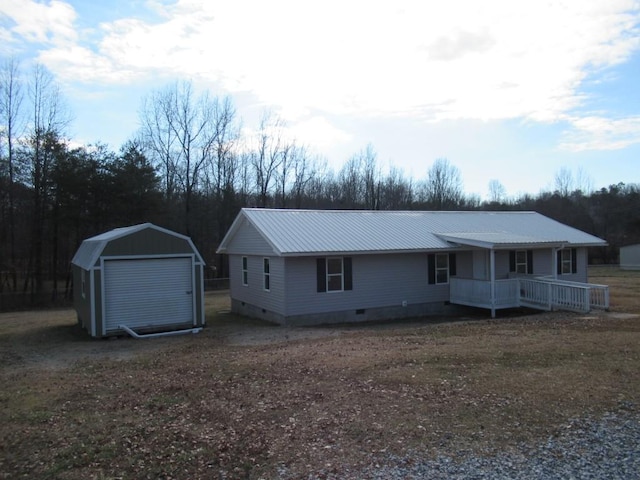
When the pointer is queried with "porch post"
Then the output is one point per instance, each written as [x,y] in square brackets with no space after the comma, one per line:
[492,269]
[554,262]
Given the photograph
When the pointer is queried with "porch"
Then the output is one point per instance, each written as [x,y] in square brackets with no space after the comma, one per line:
[543,293]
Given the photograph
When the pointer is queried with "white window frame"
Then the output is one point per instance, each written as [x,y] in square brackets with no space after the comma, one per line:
[521,266]
[441,269]
[330,276]
[266,274]
[566,261]
[245,271]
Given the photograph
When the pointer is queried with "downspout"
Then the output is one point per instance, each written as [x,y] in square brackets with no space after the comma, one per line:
[159,334]
[492,268]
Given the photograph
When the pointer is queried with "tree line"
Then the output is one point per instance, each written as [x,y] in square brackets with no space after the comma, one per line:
[191,167]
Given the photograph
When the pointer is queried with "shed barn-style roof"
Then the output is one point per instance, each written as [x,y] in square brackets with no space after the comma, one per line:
[312,232]
[90,250]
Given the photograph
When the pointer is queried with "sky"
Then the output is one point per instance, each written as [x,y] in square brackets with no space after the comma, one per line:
[507,91]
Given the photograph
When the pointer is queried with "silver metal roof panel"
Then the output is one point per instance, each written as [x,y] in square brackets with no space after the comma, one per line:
[307,232]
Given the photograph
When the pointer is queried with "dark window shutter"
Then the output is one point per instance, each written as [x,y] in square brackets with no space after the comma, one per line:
[452,264]
[348,281]
[512,261]
[431,268]
[574,261]
[529,262]
[321,273]
[559,262]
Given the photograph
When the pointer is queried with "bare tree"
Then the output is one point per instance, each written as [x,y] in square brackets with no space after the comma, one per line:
[443,188]
[283,173]
[12,122]
[397,192]
[225,163]
[371,174]
[159,138]
[497,192]
[182,133]
[305,169]
[351,184]
[583,182]
[563,182]
[267,155]
[50,118]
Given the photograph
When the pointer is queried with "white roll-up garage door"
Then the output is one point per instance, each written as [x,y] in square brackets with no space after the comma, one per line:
[148,293]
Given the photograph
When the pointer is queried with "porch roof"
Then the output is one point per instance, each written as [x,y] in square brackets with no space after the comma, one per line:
[502,240]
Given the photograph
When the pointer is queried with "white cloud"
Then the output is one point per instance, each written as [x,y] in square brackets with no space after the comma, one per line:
[454,60]
[318,132]
[601,133]
[490,60]
[49,23]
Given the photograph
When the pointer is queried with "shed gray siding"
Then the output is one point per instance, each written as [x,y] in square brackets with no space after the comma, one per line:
[630,257]
[139,242]
[147,242]
[82,302]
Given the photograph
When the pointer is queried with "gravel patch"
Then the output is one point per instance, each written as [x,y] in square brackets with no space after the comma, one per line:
[604,448]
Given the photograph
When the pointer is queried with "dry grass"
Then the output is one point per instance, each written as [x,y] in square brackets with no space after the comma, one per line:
[243,398]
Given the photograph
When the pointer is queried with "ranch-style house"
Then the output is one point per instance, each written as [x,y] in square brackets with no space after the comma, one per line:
[304,267]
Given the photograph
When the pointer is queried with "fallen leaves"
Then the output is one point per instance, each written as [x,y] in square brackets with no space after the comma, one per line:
[197,408]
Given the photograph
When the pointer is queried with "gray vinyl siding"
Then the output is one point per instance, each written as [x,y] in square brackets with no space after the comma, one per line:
[254,293]
[248,241]
[464,264]
[543,262]
[502,264]
[581,267]
[378,281]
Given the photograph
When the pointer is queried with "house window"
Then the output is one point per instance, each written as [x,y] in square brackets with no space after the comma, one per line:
[521,261]
[245,271]
[83,285]
[442,268]
[567,262]
[266,275]
[334,274]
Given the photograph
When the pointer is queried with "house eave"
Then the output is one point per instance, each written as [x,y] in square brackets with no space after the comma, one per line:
[343,253]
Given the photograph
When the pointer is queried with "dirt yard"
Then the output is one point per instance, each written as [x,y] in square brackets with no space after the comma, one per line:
[244,399]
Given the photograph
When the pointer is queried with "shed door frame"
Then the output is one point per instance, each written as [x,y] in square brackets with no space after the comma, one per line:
[146,257]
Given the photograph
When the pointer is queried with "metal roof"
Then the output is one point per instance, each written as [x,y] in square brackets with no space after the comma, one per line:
[91,248]
[307,232]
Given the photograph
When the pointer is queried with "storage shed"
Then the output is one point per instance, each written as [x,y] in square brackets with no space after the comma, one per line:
[630,257]
[139,279]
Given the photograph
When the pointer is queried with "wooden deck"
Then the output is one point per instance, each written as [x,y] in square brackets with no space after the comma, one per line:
[541,293]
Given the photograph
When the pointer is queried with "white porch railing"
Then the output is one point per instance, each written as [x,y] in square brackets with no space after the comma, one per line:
[541,293]
[561,294]
[477,293]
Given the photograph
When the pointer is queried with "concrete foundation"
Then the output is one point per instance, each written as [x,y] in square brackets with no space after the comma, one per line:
[350,316]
